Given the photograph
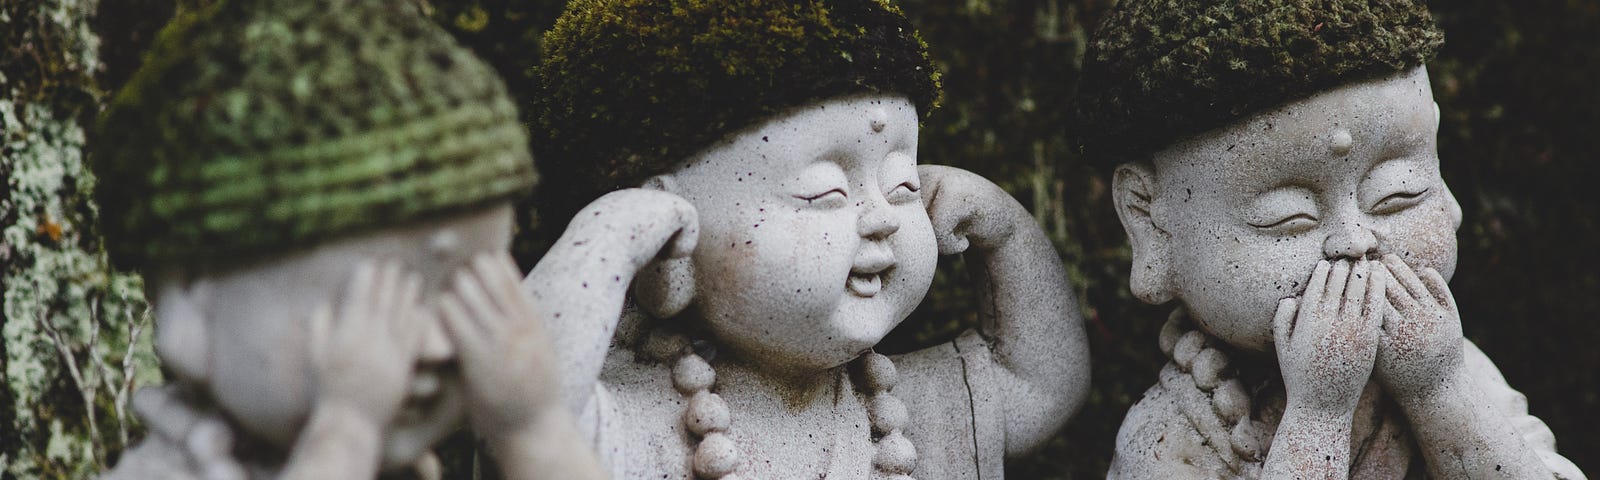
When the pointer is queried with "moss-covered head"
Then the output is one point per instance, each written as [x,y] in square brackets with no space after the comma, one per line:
[631,87]
[256,127]
[1158,71]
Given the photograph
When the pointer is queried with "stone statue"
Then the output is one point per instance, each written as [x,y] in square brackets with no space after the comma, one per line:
[322,204]
[1279,180]
[718,320]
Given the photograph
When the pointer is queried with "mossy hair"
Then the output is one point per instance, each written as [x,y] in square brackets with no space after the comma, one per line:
[1157,71]
[631,87]
[259,126]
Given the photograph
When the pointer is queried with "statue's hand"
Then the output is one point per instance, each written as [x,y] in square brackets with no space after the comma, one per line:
[967,209]
[363,350]
[1327,340]
[504,353]
[1421,341]
[650,224]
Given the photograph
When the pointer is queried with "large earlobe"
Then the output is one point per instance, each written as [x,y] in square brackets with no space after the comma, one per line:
[1133,192]
[181,332]
[666,286]
[1454,207]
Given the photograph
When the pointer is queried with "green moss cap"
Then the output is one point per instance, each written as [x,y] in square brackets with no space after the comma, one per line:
[631,87]
[260,126]
[1160,70]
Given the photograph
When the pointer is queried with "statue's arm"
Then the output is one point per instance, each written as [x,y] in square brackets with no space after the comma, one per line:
[362,351]
[581,284]
[1029,312]
[1477,426]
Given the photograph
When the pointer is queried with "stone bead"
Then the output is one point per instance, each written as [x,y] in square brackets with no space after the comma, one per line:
[1187,347]
[1246,440]
[716,457]
[692,374]
[896,455]
[1230,401]
[1208,366]
[878,372]
[663,347]
[707,413]
[887,413]
[1171,332]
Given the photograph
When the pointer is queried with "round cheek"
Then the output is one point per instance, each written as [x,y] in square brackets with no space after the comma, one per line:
[261,377]
[762,286]
[917,254]
[1233,285]
[1424,236]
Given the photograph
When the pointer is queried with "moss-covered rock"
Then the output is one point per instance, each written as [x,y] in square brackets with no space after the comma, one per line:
[76,336]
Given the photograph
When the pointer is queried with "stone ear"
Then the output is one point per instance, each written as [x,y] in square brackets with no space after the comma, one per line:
[181,332]
[1133,192]
[666,286]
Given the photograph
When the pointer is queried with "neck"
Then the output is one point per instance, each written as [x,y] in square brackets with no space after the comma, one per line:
[796,388]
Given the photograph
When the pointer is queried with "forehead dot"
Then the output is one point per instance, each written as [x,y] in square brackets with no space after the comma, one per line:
[877,118]
[1340,142]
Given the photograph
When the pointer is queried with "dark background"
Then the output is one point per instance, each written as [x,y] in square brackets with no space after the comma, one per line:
[1518,83]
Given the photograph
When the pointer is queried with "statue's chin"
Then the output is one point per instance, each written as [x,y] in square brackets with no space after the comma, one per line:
[420,426]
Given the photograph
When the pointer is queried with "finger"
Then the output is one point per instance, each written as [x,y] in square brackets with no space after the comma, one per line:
[1405,277]
[319,333]
[1312,297]
[929,176]
[372,319]
[1439,288]
[1355,292]
[1402,302]
[410,318]
[359,290]
[463,332]
[1373,307]
[683,242]
[483,312]
[1311,303]
[500,282]
[387,295]
[1283,322]
[1337,278]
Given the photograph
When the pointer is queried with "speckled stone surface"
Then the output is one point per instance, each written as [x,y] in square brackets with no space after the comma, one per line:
[1309,247]
[779,255]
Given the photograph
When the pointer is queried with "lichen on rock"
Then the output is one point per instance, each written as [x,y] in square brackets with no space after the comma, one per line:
[76,334]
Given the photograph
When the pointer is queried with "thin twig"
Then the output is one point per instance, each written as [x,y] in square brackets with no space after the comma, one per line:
[77,378]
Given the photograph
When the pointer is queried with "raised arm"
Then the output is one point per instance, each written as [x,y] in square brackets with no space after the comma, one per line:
[1029,311]
[582,282]
[363,349]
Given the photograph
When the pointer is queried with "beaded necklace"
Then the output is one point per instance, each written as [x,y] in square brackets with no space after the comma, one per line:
[708,418]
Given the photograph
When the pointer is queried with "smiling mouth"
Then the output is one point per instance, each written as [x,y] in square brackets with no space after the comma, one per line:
[423,395]
[864,284]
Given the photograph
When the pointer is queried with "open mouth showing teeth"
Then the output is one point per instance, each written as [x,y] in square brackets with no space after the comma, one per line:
[865,284]
[423,395]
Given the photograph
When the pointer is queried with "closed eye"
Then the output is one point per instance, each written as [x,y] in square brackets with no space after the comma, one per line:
[1399,201]
[1290,223]
[823,196]
[904,192]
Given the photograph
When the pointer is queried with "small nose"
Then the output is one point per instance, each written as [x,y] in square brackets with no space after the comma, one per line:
[436,345]
[1350,241]
[877,221]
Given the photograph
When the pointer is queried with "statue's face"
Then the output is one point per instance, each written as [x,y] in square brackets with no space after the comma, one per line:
[243,334]
[813,238]
[1249,209]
